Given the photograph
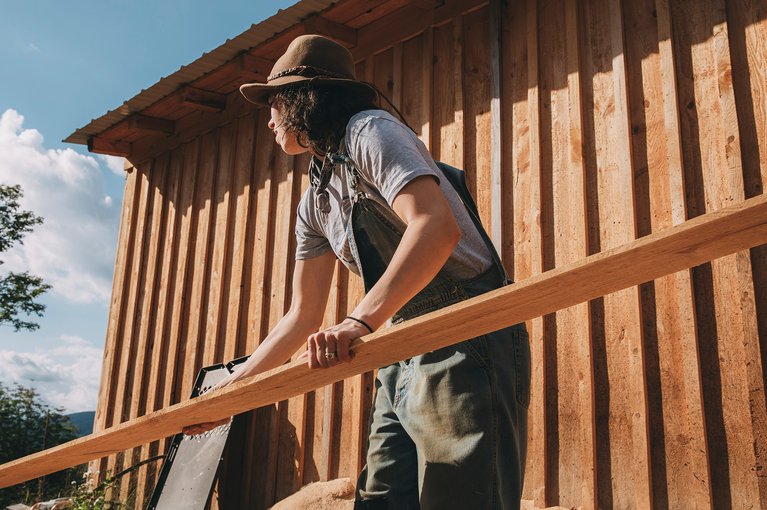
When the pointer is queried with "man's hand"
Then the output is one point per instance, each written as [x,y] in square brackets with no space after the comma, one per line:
[193,430]
[331,346]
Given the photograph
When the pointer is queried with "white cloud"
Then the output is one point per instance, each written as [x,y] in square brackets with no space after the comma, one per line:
[66,376]
[114,164]
[33,47]
[74,249]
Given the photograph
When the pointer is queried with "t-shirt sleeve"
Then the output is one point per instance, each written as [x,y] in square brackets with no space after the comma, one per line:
[388,154]
[310,241]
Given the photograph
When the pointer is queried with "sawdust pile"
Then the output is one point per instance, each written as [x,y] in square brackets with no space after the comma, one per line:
[333,495]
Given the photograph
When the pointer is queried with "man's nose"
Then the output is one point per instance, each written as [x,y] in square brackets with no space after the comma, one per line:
[271,124]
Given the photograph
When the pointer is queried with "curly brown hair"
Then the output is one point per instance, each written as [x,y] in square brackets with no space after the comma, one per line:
[318,114]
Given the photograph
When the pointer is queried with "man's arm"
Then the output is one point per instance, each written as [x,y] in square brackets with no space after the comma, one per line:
[430,237]
[311,285]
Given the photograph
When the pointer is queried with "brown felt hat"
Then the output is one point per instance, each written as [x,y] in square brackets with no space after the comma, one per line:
[310,58]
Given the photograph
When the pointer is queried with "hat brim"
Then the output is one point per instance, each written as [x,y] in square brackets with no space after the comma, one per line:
[258,93]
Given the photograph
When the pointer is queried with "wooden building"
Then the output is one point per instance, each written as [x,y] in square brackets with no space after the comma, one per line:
[582,125]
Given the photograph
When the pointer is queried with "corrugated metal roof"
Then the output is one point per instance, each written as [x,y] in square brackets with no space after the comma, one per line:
[255,35]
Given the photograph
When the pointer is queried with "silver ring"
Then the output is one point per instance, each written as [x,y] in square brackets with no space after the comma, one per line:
[330,356]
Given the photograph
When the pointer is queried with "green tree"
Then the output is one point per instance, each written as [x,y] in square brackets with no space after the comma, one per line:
[18,291]
[29,425]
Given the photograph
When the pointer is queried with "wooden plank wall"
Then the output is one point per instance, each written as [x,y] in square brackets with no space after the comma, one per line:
[617,119]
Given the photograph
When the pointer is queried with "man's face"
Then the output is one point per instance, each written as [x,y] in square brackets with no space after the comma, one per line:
[285,139]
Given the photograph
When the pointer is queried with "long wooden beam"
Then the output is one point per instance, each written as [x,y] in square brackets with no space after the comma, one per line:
[102,145]
[694,242]
[154,124]
[203,99]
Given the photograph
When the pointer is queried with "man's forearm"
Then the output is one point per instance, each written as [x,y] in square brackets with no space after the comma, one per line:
[424,248]
[281,343]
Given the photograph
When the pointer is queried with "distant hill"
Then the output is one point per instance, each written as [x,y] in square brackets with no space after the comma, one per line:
[83,422]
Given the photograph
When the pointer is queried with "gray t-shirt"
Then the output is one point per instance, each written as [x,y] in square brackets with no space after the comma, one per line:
[388,155]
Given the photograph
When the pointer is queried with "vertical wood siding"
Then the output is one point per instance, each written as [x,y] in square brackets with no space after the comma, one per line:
[615,119]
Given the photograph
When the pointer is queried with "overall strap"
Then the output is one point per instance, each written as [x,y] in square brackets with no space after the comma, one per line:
[352,173]
[457,179]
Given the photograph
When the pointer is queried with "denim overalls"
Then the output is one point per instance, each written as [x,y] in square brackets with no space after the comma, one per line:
[449,427]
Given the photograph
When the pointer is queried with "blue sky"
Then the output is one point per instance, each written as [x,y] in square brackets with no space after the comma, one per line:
[61,65]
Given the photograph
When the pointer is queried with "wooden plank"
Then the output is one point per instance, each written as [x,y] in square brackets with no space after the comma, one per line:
[131,316]
[522,234]
[113,342]
[538,332]
[707,237]
[552,86]
[325,417]
[313,445]
[427,133]
[147,303]
[203,99]
[679,461]
[186,171]
[146,298]
[414,84]
[153,124]
[396,78]
[101,145]
[616,318]
[163,355]
[328,425]
[293,433]
[220,239]
[243,169]
[350,439]
[379,69]
[447,100]
[494,21]
[572,445]
[474,64]
[747,33]
[120,295]
[262,219]
[195,305]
